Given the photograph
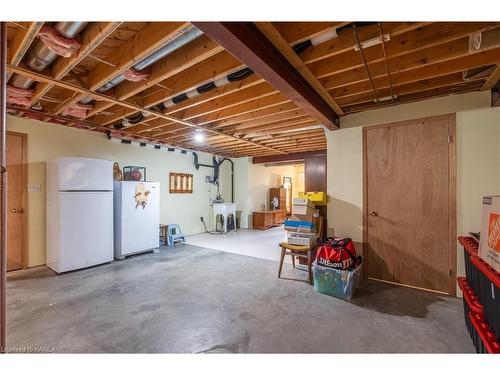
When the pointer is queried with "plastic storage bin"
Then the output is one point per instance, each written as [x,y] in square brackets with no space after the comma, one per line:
[337,283]
[471,304]
[470,250]
[484,339]
[489,296]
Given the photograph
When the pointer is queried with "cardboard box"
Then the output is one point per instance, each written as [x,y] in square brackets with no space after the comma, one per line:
[306,239]
[304,210]
[302,202]
[300,226]
[489,243]
[312,218]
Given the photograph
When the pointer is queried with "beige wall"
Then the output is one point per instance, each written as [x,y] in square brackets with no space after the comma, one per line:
[253,183]
[478,159]
[47,141]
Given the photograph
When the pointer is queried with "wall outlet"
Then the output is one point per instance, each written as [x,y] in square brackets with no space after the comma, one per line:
[34,188]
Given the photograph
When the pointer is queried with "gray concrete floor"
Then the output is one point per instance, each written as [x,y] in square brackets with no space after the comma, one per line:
[189,299]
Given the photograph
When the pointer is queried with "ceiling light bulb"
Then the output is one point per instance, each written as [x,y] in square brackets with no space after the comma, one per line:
[199,137]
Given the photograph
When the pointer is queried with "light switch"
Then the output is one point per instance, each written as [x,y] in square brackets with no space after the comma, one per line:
[34,188]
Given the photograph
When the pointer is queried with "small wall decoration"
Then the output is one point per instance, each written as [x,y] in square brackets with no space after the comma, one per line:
[141,196]
[181,183]
[117,173]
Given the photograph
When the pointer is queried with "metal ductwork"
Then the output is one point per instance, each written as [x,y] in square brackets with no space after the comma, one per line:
[187,35]
[40,57]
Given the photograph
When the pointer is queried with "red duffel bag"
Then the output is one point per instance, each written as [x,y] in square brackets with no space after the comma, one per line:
[337,252]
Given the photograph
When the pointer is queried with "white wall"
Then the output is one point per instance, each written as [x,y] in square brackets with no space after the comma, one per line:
[253,183]
[47,141]
[478,159]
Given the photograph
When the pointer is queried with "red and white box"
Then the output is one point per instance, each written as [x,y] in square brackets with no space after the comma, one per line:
[489,243]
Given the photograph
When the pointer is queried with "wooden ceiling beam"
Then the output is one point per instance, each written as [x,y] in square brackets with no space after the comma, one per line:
[401,89]
[289,108]
[256,127]
[188,79]
[203,72]
[92,36]
[21,41]
[290,157]
[86,92]
[296,32]
[417,43]
[146,41]
[217,93]
[268,29]
[415,69]
[344,43]
[493,79]
[261,96]
[246,42]
[191,54]
[275,118]
[433,93]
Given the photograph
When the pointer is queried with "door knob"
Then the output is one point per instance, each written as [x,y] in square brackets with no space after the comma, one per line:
[17,211]
[373,213]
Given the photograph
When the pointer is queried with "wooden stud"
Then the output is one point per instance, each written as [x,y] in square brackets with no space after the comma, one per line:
[21,41]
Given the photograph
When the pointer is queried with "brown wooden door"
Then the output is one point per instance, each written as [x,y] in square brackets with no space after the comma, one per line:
[16,205]
[410,203]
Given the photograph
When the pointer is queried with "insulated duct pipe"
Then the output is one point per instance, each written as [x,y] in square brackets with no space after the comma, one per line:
[41,57]
[187,35]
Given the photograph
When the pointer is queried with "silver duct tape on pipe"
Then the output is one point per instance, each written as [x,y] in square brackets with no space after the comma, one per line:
[40,56]
[324,37]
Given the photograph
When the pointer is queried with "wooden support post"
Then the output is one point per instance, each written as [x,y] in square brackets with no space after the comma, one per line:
[3,180]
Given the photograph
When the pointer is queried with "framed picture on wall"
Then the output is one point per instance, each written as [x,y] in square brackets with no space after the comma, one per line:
[180,183]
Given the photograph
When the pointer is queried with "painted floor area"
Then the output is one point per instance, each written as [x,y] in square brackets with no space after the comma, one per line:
[261,244]
[188,299]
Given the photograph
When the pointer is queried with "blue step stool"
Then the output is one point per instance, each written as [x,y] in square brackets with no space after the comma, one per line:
[174,234]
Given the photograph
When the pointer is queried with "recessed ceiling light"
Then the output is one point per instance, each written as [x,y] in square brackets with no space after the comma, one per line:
[199,136]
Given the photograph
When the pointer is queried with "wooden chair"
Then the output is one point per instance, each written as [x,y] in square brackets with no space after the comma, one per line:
[300,251]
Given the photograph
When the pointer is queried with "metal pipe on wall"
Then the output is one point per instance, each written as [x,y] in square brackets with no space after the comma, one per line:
[3,181]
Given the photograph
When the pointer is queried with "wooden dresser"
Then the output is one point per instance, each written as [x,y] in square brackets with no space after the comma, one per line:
[267,219]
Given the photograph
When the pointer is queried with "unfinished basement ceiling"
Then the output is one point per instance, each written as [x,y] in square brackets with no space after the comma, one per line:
[186,83]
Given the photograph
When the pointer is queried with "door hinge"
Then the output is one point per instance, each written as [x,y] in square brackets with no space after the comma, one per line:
[450,139]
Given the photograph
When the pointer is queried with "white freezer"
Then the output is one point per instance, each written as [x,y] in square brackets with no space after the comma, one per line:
[79,221]
[82,174]
[136,228]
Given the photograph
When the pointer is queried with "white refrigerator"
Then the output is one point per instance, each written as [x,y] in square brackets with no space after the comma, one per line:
[136,217]
[79,213]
